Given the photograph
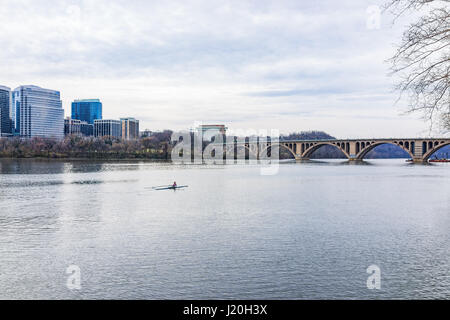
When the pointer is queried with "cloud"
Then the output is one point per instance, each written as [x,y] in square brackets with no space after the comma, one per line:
[175,62]
[295,92]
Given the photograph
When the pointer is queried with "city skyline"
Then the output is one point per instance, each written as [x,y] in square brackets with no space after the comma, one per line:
[69,114]
[287,66]
[30,111]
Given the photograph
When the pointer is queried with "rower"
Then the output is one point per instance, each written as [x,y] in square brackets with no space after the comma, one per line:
[174,184]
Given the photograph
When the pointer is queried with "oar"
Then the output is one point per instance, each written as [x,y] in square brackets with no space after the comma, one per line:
[170,188]
[167,185]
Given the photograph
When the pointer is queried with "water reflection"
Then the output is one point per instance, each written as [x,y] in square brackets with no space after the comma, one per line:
[46,166]
[31,166]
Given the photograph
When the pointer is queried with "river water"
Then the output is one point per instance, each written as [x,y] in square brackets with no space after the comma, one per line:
[308,232]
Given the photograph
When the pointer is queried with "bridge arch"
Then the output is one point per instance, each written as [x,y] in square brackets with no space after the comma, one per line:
[310,148]
[418,149]
[246,147]
[437,145]
[287,146]
[253,150]
[406,146]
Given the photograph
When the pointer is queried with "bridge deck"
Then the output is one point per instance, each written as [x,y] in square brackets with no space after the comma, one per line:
[346,140]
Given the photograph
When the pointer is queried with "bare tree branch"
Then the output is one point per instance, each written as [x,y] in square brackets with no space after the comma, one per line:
[422,60]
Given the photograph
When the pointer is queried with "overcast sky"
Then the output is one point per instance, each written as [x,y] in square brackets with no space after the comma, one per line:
[289,65]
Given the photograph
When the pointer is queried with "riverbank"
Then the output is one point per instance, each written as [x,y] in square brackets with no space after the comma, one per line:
[44,159]
[92,156]
[77,147]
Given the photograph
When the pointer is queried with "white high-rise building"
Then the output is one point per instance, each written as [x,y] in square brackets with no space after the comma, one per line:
[38,112]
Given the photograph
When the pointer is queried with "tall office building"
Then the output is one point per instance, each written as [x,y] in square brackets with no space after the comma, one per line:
[15,112]
[130,128]
[87,110]
[5,105]
[38,112]
[111,128]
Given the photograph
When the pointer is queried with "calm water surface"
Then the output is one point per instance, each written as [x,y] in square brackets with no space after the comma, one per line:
[309,232]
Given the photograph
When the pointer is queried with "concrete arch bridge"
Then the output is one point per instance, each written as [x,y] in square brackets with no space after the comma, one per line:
[419,149]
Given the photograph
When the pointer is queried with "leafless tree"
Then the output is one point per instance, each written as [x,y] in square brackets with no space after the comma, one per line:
[155,146]
[422,60]
[446,121]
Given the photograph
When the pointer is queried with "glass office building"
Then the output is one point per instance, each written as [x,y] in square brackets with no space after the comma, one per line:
[15,112]
[5,105]
[87,110]
[38,112]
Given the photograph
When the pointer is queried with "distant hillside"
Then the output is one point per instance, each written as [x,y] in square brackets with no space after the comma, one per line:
[326,152]
[443,153]
[307,135]
[386,151]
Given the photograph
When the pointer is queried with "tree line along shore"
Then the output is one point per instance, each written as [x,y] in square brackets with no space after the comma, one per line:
[156,146]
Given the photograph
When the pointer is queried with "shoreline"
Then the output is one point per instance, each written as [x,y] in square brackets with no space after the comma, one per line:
[163,160]
[87,159]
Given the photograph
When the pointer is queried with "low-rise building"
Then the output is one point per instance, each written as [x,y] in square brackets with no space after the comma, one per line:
[210,130]
[112,128]
[72,126]
[75,126]
[86,129]
[145,133]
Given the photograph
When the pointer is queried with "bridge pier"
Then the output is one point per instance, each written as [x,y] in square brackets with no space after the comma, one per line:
[419,161]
